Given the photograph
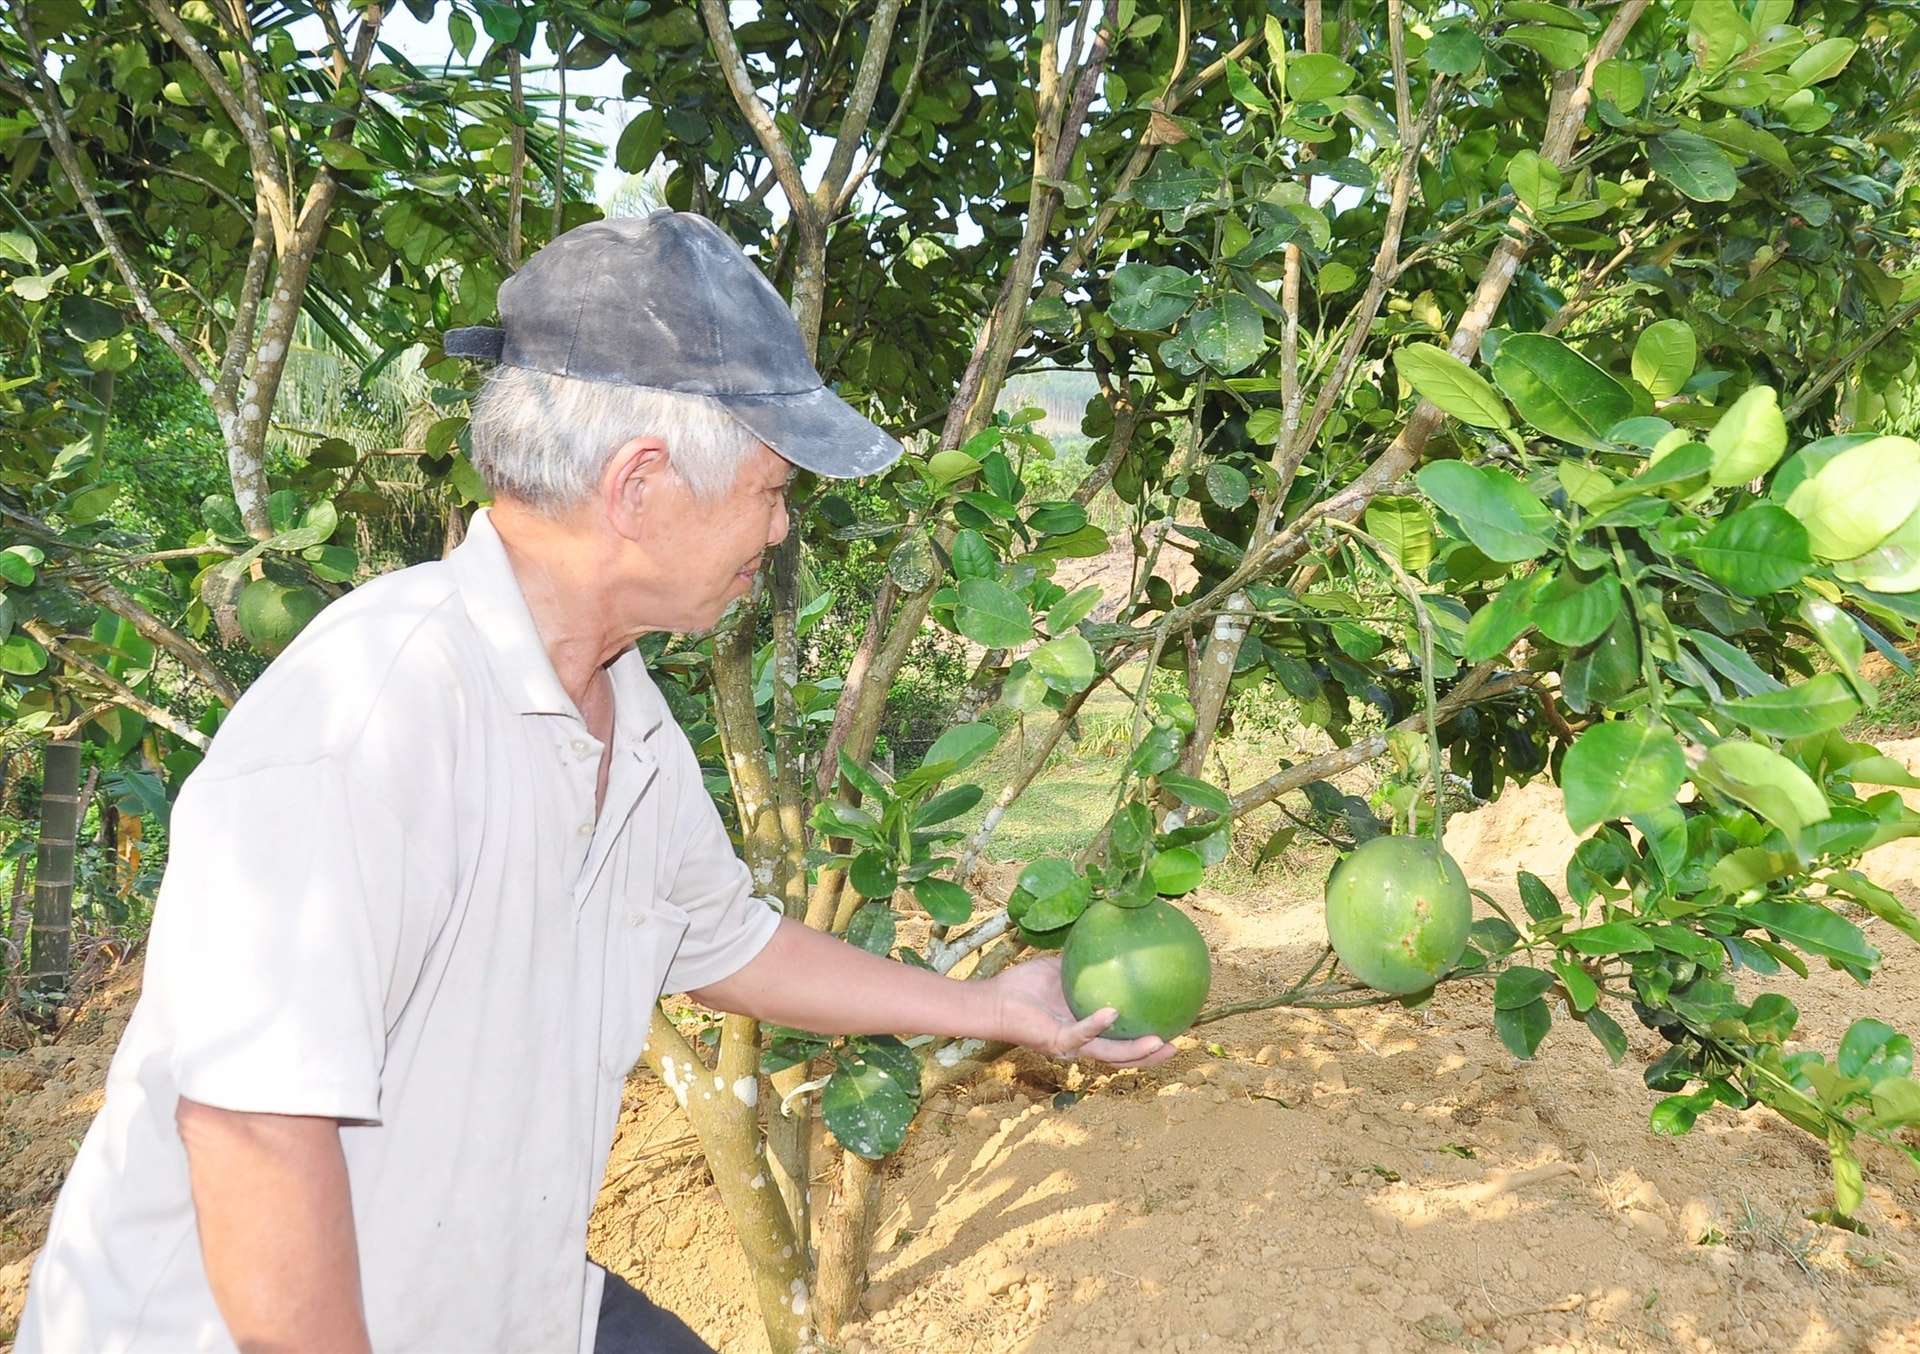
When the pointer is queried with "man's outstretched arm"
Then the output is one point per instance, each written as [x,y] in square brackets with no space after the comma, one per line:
[818,982]
[276,1228]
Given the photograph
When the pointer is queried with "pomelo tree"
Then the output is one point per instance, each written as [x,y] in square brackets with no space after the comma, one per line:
[1511,324]
[1525,382]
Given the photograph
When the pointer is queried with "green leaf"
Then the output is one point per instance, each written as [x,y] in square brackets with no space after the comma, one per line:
[992,615]
[911,564]
[1075,607]
[872,875]
[1812,928]
[1537,898]
[1451,385]
[1749,438]
[1820,703]
[1620,83]
[1059,894]
[1573,613]
[1664,356]
[1694,165]
[1896,1104]
[1756,551]
[1171,184]
[1882,904]
[1765,782]
[1176,872]
[1563,48]
[1822,61]
[15,569]
[947,805]
[1893,566]
[1151,296]
[1518,986]
[946,902]
[1558,391]
[872,928]
[1197,793]
[870,1101]
[1619,769]
[1614,937]
[1455,51]
[1607,1030]
[1522,1028]
[1228,335]
[963,745]
[1227,487]
[1838,635]
[1535,180]
[864,780]
[1065,663]
[1313,76]
[1500,622]
[21,655]
[1581,988]
[1875,1050]
[1857,499]
[1499,516]
[1403,526]
[972,556]
[1157,752]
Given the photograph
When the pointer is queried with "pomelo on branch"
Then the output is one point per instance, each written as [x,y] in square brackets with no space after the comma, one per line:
[271,614]
[1398,912]
[1149,963]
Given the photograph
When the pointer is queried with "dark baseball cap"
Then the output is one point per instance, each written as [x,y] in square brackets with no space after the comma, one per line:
[669,301]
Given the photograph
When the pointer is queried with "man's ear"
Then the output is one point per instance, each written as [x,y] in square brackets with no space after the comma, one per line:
[635,474]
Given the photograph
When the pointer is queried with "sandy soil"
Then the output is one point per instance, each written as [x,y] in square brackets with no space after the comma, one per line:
[1359,1182]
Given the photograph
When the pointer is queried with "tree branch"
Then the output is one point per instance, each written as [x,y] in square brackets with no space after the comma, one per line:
[879,149]
[53,121]
[733,67]
[122,693]
[853,122]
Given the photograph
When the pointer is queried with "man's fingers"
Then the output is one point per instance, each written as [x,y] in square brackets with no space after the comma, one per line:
[1145,1051]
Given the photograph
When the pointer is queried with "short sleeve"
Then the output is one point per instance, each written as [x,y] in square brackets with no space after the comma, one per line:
[727,925]
[277,938]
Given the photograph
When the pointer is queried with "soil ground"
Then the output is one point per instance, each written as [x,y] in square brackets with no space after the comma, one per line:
[1360,1182]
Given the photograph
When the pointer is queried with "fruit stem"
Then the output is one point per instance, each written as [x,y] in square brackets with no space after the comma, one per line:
[1404,584]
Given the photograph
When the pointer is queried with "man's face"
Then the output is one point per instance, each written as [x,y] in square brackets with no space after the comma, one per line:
[708,551]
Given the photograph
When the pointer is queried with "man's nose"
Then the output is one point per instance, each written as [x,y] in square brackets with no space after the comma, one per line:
[777,528]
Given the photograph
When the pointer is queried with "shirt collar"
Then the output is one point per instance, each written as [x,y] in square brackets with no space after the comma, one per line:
[494,601]
[519,658]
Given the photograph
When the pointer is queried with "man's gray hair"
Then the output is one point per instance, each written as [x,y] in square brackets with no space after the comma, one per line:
[545,439]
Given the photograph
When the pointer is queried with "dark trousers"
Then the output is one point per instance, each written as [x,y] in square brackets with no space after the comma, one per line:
[630,1324]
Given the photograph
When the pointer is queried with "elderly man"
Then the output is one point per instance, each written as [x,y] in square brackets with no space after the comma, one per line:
[447,852]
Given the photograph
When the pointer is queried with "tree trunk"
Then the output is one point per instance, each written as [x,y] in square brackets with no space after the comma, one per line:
[52,938]
[846,1241]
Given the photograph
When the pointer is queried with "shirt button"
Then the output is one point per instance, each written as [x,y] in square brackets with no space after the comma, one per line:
[580,747]
[586,829]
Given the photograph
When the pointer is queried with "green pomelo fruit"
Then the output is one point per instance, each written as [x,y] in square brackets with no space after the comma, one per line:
[271,614]
[1398,912]
[1149,963]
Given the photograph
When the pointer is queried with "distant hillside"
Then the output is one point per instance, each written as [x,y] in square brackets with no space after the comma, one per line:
[1063,394]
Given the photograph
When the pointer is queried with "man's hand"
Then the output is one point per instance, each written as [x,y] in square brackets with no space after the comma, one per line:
[1034,1013]
[819,982]
[276,1228]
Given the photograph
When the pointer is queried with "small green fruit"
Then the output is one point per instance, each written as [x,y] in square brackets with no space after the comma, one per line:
[271,614]
[1398,912]
[1149,963]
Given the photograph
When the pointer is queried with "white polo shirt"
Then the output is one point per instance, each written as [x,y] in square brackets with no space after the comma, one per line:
[388,900]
